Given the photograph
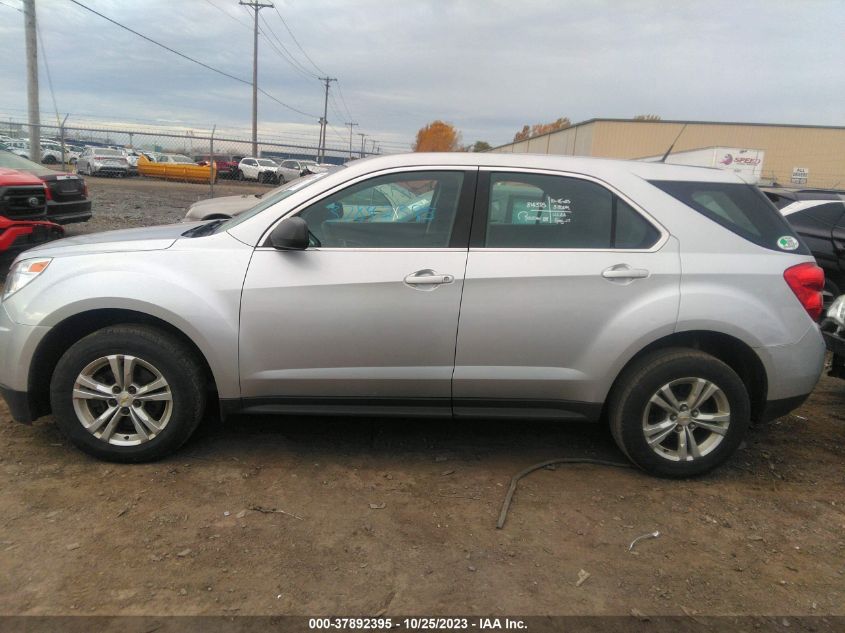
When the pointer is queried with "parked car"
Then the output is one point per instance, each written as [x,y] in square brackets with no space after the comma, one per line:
[179,159]
[818,216]
[673,302]
[23,199]
[230,206]
[131,156]
[293,169]
[67,194]
[833,330]
[227,165]
[260,169]
[102,161]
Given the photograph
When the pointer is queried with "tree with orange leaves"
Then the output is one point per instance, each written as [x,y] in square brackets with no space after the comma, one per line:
[542,128]
[437,136]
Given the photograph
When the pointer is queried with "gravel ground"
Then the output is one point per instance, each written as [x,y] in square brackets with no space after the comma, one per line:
[289,515]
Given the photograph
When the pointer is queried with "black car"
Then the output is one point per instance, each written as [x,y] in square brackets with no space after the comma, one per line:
[818,216]
[67,194]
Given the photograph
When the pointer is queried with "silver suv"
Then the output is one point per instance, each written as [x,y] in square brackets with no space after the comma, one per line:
[673,302]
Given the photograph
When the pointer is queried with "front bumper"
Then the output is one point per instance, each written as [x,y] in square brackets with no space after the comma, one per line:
[17,349]
[20,237]
[18,403]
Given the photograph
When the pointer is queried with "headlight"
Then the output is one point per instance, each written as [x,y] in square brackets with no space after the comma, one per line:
[22,273]
[836,311]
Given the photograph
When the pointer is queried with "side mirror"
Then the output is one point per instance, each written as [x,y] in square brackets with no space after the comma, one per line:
[290,235]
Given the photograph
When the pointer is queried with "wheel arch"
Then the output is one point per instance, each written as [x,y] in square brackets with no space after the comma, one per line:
[67,332]
[732,351]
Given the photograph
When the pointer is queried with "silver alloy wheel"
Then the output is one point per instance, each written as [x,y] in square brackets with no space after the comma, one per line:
[686,419]
[122,400]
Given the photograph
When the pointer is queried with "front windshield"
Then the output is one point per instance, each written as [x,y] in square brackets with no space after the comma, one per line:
[268,200]
[13,161]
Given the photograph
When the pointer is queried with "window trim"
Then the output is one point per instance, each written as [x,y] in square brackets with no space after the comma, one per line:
[459,239]
[482,206]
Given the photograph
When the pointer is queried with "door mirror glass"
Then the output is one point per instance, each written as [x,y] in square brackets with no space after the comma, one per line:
[290,235]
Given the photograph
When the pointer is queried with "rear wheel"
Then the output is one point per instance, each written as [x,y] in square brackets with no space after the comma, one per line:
[128,393]
[679,412]
[240,175]
[49,160]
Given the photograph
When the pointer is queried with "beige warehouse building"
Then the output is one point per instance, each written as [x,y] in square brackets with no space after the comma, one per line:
[818,152]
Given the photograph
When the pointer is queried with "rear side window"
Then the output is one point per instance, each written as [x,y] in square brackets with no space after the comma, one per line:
[742,209]
[544,211]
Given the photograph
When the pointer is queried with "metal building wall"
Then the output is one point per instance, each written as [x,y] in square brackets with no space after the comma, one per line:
[821,150]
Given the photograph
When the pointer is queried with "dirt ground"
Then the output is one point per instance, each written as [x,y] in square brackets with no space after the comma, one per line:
[399,516]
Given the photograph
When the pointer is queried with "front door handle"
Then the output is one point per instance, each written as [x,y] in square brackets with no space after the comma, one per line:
[428,277]
[623,271]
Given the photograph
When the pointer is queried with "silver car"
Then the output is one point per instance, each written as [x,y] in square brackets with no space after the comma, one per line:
[674,303]
[292,169]
[97,161]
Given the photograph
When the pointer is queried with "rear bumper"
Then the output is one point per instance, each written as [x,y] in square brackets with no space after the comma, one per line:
[792,371]
[69,212]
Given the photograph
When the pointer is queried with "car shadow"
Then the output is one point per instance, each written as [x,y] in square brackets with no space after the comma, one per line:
[245,436]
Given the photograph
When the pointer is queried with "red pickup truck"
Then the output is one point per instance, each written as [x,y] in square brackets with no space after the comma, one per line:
[23,207]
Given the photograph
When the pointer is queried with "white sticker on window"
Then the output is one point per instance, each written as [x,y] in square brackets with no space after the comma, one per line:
[787,243]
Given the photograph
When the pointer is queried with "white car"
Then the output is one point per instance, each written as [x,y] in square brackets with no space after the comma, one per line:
[292,169]
[260,169]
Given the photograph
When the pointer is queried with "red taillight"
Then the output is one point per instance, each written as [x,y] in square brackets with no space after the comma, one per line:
[47,193]
[807,281]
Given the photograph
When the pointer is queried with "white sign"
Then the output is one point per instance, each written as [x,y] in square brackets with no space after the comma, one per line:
[800,175]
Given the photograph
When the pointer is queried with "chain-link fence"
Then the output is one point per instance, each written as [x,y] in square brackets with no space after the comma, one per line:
[166,153]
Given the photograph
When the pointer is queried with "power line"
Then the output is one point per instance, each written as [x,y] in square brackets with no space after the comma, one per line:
[191,59]
[286,55]
[11,7]
[343,100]
[295,41]
[229,15]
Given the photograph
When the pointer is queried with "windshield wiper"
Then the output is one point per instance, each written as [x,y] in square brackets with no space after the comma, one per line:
[204,229]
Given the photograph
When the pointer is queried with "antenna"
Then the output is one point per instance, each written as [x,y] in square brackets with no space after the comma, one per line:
[672,146]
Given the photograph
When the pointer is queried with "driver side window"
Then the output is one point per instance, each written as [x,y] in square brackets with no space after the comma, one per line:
[408,210]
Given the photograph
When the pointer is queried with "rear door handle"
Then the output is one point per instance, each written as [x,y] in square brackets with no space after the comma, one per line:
[428,278]
[623,271]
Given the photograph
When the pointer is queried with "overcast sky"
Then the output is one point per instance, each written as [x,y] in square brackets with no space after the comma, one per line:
[486,66]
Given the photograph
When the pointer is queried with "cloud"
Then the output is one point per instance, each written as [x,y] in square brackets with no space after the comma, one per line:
[487,66]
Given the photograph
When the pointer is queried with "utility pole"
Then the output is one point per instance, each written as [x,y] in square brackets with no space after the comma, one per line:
[362,135]
[255,6]
[324,122]
[32,80]
[351,125]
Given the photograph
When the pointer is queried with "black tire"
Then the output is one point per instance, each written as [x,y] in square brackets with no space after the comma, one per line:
[635,387]
[167,354]
[280,179]
[49,160]
[240,175]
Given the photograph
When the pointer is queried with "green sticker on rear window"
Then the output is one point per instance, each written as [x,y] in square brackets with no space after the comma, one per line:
[787,243]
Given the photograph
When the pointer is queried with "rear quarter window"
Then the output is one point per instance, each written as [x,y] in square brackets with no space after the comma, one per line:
[740,208]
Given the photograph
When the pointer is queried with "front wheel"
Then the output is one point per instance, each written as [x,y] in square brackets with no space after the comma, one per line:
[240,175]
[128,393]
[679,412]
